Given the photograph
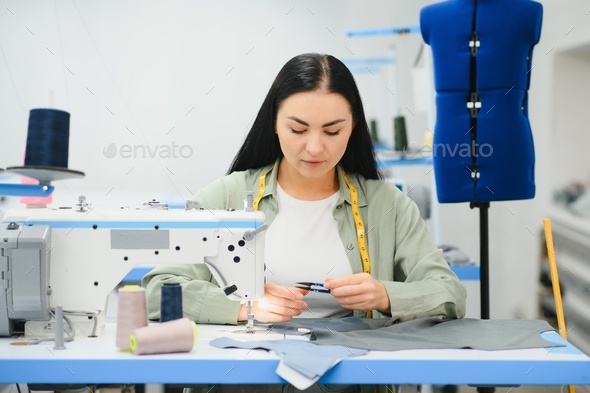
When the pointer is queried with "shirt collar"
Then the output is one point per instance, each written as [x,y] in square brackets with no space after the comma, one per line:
[345,191]
[271,184]
[271,178]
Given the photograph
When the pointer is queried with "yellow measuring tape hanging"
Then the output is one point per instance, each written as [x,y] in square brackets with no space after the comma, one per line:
[261,187]
[360,229]
[360,226]
[356,214]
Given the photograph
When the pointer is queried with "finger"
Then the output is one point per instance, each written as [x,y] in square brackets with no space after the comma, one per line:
[277,304]
[270,317]
[283,291]
[354,279]
[351,289]
[301,291]
[370,297]
[358,302]
[277,312]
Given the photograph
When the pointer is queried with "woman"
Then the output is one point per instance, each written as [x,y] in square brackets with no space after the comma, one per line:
[310,159]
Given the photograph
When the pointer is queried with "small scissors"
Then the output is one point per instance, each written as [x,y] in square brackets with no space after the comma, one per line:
[312,287]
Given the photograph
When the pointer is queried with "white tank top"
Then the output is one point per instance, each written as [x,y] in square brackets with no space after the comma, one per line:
[303,244]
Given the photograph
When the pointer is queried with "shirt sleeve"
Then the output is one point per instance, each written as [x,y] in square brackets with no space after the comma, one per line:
[203,301]
[423,285]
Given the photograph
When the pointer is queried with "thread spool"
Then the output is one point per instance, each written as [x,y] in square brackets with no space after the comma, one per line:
[48,138]
[400,135]
[171,302]
[179,335]
[46,155]
[131,313]
[374,132]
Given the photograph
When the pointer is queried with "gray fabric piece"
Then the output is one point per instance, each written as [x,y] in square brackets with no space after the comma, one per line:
[434,333]
[297,326]
[307,358]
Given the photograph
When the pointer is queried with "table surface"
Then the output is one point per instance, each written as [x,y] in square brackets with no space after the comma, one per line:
[98,361]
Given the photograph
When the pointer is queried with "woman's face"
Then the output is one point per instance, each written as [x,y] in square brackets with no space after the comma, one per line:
[313,129]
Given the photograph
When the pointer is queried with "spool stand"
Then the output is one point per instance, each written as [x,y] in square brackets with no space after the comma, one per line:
[45,175]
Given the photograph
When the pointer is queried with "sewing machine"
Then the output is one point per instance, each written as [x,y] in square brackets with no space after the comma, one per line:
[76,256]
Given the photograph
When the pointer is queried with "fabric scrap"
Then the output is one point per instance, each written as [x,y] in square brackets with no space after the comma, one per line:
[307,361]
[298,326]
[436,333]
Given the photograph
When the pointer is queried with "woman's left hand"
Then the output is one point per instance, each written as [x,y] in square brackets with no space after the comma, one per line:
[359,292]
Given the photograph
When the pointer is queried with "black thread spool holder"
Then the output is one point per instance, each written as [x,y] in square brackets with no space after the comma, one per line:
[46,156]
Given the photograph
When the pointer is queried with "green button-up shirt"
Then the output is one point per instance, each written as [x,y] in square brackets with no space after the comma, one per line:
[403,256]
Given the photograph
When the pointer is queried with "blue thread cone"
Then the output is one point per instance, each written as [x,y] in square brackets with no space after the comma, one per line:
[171,302]
[48,138]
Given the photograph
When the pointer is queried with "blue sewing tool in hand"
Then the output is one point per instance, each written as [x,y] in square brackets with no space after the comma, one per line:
[312,287]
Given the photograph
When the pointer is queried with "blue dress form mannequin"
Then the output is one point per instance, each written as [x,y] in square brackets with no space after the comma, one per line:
[503,146]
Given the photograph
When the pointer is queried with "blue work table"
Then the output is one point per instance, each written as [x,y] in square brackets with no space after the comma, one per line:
[98,361]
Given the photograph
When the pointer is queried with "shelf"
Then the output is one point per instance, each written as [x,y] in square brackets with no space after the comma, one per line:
[466,273]
[564,218]
[386,157]
[389,162]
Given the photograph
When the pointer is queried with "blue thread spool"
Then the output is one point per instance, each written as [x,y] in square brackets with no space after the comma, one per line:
[171,302]
[48,138]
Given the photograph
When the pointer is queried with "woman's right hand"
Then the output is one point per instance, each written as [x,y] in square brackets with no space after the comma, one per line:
[279,304]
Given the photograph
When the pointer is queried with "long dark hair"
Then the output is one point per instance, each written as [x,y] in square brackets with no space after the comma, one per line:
[308,72]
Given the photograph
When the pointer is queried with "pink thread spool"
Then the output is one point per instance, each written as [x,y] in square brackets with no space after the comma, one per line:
[179,335]
[131,313]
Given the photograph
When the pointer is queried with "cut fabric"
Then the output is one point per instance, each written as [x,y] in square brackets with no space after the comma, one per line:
[302,362]
[435,333]
[302,326]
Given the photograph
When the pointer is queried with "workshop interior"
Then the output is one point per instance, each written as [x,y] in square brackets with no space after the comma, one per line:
[115,114]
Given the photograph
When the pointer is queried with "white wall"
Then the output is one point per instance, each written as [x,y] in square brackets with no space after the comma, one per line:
[193,74]
[183,79]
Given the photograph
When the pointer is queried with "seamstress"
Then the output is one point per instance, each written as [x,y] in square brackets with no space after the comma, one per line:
[310,161]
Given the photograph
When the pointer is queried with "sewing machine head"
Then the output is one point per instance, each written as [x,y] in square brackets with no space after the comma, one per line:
[75,257]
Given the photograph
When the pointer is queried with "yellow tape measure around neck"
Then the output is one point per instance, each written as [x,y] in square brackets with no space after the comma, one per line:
[356,214]
[360,225]
[261,187]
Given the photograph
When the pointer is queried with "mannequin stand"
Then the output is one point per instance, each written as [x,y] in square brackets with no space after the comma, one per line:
[484,277]
[484,257]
